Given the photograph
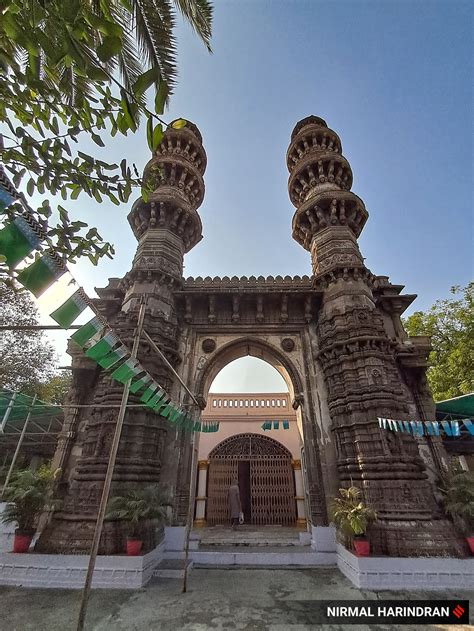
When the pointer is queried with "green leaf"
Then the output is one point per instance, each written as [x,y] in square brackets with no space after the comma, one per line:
[30,187]
[104,26]
[127,111]
[157,136]
[110,47]
[149,132]
[97,74]
[97,139]
[161,96]
[145,80]
[178,123]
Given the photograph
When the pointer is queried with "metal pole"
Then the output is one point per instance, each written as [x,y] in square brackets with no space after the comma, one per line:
[108,479]
[192,493]
[171,368]
[7,412]
[17,450]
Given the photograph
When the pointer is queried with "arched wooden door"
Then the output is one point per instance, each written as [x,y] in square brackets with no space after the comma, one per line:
[266,481]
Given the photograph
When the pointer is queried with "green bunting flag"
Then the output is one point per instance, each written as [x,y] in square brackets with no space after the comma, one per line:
[286,425]
[5,198]
[126,371]
[135,386]
[88,330]
[148,393]
[70,310]
[40,275]
[266,425]
[103,346]
[113,357]
[276,425]
[17,240]
[157,400]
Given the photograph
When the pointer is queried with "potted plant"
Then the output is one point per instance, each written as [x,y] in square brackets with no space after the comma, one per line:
[136,506]
[26,497]
[459,503]
[352,517]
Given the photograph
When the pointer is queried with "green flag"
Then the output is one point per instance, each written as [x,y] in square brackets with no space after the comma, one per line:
[5,198]
[126,371]
[40,275]
[113,357]
[155,400]
[276,425]
[135,386]
[88,330]
[17,240]
[266,425]
[103,346]
[197,426]
[148,393]
[70,310]
[286,425]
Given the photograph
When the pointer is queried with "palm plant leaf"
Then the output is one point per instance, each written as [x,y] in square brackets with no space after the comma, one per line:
[154,24]
[199,15]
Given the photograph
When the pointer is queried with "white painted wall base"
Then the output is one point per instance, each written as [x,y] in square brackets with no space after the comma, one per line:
[392,573]
[68,571]
[323,538]
[6,533]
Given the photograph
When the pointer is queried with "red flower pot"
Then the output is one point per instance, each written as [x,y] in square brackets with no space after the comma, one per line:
[361,547]
[22,541]
[133,547]
[470,543]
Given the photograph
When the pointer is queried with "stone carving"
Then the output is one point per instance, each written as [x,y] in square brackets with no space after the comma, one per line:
[288,344]
[209,345]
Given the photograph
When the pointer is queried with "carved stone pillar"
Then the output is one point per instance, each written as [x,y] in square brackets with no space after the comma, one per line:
[166,226]
[359,360]
[201,498]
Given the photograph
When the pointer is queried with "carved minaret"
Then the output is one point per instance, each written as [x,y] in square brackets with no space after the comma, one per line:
[362,351]
[166,226]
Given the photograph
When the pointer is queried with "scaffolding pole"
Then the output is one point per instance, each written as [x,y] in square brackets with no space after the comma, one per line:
[108,479]
[189,522]
[18,446]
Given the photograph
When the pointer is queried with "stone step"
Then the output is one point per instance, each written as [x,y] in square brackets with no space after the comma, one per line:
[264,543]
[171,568]
[254,556]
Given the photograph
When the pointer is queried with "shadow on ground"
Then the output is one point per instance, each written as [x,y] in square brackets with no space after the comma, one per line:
[216,599]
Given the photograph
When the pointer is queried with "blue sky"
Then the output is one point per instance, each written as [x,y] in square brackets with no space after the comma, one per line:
[391,78]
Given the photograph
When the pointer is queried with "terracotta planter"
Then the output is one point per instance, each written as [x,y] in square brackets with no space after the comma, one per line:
[362,547]
[134,547]
[470,543]
[22,541]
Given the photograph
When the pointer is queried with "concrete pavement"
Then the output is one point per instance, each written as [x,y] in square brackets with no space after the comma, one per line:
[241,599]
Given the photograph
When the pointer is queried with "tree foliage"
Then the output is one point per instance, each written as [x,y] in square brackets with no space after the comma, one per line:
[27,360]
[459,499]
[450,324]
[82,68]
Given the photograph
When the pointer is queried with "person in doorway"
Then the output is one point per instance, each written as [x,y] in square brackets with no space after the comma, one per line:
[235,504]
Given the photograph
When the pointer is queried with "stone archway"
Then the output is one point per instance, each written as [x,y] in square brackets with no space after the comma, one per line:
[254,347]
[263,467]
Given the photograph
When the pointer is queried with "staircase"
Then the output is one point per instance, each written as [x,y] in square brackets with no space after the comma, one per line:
[252,547]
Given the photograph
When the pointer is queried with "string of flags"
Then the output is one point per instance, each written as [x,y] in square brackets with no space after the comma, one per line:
[276,425]
[19,238]
[428,428]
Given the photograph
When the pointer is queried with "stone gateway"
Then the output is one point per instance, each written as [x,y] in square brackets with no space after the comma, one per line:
[335,336]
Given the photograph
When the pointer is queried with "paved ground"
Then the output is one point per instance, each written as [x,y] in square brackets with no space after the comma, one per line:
[216,600]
